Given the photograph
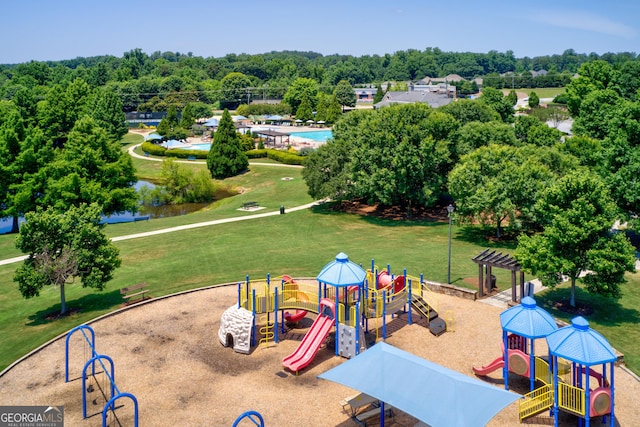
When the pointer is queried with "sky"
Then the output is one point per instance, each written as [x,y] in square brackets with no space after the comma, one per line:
[47,30]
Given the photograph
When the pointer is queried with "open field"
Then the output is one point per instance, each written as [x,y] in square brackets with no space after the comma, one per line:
[297,243]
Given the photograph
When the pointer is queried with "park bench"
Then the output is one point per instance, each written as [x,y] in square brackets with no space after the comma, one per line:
[249,205]
[363,418]
[133,291]
[191,158]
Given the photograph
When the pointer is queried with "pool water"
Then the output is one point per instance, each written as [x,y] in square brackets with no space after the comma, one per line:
[316,135]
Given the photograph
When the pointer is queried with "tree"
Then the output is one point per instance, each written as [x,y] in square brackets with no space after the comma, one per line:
[496,184]
[476,134]
[300,88]
[234,88]
[496,100]
[379,94]
[107,110]
[534,101]
[577,213]
[304,112]
[226,157]
[187,120]
[90,169]
[470,110]
[327,172]
[512,98]
[334,111]
[62,247]
[395,161]
[344,94]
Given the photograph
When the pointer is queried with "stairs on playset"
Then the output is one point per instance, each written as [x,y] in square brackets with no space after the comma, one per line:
[437,326]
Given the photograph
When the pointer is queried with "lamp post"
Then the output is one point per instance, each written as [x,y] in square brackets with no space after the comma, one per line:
[450,210]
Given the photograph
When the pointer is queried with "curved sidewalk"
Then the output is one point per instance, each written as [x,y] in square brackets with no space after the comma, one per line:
[189,226]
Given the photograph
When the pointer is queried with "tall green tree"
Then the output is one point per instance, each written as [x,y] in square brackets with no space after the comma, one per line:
[344,94]
[577,213]
[187,120]
[379,94]
[107,110]
[226,157]
[300,88]
[334,111]
[495,100]
[62,247]
[304,111]
[91,168]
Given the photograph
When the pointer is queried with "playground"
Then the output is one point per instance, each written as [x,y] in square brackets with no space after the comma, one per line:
[167,353]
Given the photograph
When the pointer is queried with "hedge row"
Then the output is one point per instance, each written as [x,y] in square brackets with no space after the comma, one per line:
[279,156]
[286,158]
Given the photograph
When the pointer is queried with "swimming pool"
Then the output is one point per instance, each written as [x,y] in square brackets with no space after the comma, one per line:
[205,146]
[316,135]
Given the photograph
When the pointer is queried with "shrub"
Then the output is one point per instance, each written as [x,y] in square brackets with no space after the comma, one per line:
[257,154]
[286,158]
[153,149]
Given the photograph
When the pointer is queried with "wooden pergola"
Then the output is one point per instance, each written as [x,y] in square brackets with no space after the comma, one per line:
[273,136]
[489,259]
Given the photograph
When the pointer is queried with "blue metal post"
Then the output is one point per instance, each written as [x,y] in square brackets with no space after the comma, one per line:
[253,301]
[384,315]
[532,366]
[111,377]
[112,403]
[505,367]
[358,328]
[275,311]
[409,298]
[92,343]
[555,390]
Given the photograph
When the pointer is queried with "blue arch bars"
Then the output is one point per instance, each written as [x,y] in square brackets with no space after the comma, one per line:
[115,394]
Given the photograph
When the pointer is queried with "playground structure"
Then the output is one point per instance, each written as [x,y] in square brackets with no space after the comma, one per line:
[344,295]
[114,392]
[565,376]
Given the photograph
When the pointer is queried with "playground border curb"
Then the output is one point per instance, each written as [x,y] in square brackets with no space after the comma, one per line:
[109,314]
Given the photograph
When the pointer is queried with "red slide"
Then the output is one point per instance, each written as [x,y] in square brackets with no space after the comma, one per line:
[310,344]
[496,364]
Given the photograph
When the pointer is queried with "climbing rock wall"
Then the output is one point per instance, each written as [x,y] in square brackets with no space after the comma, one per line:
[236,322]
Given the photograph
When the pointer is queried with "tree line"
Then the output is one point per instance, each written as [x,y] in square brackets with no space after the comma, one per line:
[153,82]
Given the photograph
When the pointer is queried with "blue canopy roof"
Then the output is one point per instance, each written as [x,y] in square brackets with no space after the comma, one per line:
[429,392]
[528,320]
[342,272]
[581,344]
[211,122]
[153,136]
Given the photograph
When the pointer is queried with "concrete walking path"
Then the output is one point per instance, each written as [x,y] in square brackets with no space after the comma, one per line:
[189,227]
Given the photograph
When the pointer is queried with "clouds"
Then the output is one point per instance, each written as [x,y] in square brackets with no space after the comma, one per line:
[585,21]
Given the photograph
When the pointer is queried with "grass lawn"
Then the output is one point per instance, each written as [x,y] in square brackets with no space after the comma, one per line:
[297,243]
[543,92]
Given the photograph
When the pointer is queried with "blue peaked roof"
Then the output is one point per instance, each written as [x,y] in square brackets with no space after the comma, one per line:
[528,320]
[342,272]
[581,344]
[427,391]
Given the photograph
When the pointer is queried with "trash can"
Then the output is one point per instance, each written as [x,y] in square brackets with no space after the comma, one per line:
[281,210]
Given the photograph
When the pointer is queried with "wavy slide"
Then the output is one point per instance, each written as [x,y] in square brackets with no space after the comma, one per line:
[487,369]
[310,344]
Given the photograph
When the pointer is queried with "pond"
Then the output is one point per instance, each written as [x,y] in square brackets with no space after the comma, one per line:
[144,212]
